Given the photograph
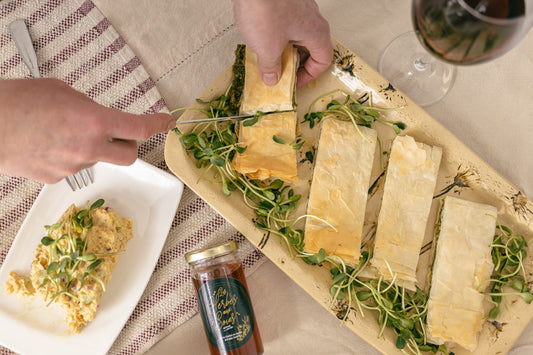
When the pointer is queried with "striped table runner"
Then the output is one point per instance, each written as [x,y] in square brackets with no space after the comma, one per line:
[77,44]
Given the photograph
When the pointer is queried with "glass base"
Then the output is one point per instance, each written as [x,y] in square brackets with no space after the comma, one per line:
[413,70]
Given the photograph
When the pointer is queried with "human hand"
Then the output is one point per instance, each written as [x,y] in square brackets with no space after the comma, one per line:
[49,131]
[268,25]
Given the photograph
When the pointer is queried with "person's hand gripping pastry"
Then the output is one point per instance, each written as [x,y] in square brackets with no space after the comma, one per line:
[267,26]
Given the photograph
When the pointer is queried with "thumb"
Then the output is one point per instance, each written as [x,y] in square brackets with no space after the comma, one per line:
[269,68]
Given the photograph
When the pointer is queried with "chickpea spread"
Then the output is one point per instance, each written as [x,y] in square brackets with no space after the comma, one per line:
[74,262]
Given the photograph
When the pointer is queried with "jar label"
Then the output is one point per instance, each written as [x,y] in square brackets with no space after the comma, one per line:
[227,313]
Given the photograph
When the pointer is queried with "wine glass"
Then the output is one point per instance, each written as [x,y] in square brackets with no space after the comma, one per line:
[448,33]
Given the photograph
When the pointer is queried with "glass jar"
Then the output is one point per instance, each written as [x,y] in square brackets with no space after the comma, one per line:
[224,301]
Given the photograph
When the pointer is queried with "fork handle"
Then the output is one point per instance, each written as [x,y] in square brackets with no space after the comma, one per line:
[21,37]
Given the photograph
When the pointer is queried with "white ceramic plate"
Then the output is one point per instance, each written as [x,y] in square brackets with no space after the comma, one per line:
[146,195]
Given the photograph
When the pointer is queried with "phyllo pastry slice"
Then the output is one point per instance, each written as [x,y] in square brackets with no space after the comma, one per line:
[264,157]
[461,270]
[339,189]
[259,97]
[405,206]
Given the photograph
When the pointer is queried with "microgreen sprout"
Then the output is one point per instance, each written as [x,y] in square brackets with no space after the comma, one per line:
[403,311]
[509,277]
[351,110]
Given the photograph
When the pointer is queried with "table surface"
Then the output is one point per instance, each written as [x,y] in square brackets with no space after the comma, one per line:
[489,108]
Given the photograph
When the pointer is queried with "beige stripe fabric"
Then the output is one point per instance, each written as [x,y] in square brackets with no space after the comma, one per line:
[76,43]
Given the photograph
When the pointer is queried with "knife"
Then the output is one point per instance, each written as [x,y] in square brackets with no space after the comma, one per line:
[215,119]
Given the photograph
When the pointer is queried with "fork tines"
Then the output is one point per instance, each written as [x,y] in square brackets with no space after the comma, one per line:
[80,179]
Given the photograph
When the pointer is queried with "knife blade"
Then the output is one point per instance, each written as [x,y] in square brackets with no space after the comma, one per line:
[215,119]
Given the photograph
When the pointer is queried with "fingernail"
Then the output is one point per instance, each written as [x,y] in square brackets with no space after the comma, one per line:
[171,125]
[270,79]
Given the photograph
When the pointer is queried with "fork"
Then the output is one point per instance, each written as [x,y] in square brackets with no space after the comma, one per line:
[21,36]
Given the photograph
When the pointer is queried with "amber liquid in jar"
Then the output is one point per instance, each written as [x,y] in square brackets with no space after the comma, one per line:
[225,306]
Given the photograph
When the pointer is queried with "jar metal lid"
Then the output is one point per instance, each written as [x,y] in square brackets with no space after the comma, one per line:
[211,252]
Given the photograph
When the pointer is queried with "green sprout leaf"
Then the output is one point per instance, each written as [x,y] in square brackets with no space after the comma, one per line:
[250,122]
[46,241]
[189,138]
[88,257]
[74,256]
[493,313]
[278,140]
[400,125]
[339,278]
[363,295]
[527,297]
[60,275]
[218,161]
[276,184]
[226,189]
[312,118]
[517,284]
[94,265]
[201,142]
[321,255]
[337,293]
[52,267]
[52,227]
[400,342]
[316,258]
[97,203]
[397,129]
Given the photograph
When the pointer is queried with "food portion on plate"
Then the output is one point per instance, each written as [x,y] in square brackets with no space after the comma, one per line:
[380,273]
[461,272]
[339,190]
[407,196]
[73,264]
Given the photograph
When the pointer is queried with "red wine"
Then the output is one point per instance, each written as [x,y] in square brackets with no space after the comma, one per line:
[468,31]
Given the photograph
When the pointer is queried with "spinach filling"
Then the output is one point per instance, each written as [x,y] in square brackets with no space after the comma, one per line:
[237,85]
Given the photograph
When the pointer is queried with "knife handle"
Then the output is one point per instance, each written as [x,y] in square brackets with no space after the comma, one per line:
[21,37]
